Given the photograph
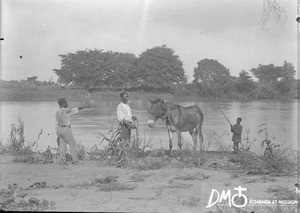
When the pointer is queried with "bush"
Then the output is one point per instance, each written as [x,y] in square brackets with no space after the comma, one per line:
[120,152]
[264,92]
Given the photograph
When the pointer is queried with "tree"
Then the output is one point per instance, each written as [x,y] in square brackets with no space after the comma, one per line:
[158,67]
[266,73]
[271,74]
[213,76]
[32,79]
[245,83]
[90,69]
[287,71]
[279,78]
[286,79]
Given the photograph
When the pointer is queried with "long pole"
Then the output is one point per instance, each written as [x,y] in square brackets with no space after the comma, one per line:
[216,105]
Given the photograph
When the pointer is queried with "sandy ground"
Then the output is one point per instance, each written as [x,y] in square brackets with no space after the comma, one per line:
[164,190]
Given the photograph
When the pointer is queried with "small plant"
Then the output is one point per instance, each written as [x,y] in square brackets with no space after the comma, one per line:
[81,151]
[191,201]
[16,136]
[235,175]
[195,176]
[115,186]
[149,163]
[267,141]
[193,159]
[106,180]
[173,185]
[247,145]
[138,177]
[227,184]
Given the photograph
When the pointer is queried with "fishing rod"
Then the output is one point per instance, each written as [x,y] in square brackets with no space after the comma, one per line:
[216,105]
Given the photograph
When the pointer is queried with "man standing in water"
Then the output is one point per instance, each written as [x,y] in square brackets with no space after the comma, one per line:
[64,131]
[125,117]
[236,129]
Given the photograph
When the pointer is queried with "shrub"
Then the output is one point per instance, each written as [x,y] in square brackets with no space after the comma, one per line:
[275,159]
[120,152]
[264,92]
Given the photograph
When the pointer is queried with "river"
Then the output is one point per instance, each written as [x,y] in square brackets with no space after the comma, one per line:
[280,117]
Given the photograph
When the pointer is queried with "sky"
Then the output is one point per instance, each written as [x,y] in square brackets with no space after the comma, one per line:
[225,30]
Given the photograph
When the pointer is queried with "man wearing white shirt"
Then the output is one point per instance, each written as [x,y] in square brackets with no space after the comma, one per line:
[64,132]
[125,117]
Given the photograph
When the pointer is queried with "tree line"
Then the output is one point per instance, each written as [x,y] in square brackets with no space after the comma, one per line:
[159,69]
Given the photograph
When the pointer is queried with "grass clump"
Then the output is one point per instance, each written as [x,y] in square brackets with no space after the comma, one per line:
[23,152]
[115,186]
[194,176]
[120,152]
[191,201]
[138,177]
[15,198]
[283,193]
[149,163]
[105,180]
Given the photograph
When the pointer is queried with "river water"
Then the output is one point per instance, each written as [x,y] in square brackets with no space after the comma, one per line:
[280,117]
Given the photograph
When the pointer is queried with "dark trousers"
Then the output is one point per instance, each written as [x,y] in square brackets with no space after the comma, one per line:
[125,131]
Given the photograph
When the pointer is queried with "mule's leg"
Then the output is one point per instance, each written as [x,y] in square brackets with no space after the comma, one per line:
[199,127]
[194,136]
[170,140]
[179,140]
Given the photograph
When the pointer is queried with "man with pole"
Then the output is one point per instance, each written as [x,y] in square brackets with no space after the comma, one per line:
[236,129]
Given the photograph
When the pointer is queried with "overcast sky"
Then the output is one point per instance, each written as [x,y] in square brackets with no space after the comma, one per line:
[225,30]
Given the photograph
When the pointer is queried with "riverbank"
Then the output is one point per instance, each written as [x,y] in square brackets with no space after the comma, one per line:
[171,188]
[53,93]
[25,91]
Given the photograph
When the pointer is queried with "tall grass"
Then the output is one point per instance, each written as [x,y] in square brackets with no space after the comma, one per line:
[24,151]
[122,153]
[16,143]
[275,158]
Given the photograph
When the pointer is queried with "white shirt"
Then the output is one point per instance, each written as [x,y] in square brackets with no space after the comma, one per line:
[124,112]
[63,116]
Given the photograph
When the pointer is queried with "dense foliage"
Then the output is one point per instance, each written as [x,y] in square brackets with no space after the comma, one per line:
[156,68]
[213,76]
[159,69]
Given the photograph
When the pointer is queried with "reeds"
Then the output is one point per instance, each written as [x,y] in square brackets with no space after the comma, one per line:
[120,152]
[22,150]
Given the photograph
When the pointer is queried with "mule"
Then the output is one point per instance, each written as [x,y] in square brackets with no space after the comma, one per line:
[178,119]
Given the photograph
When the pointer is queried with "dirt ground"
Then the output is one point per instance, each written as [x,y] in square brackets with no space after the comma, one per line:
[168,189]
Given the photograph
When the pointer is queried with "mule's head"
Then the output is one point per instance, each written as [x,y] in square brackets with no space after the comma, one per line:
[156,110]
